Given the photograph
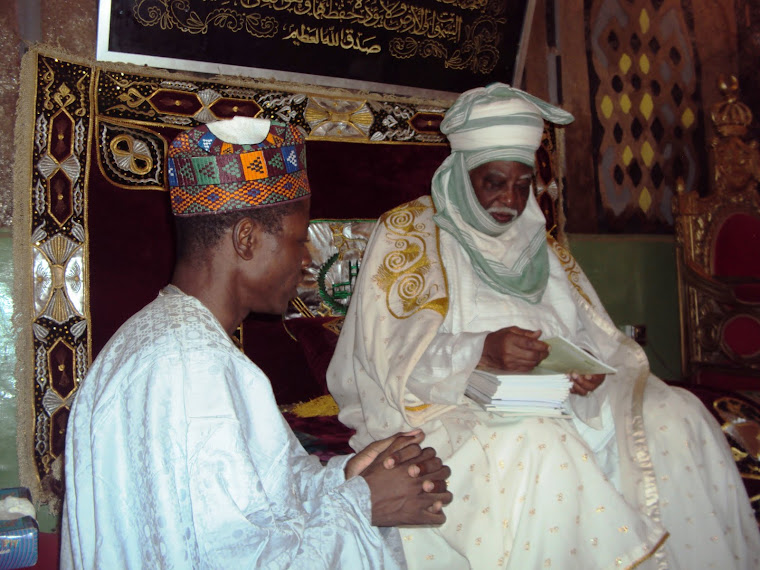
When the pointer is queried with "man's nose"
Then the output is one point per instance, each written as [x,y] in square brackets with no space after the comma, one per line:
[508,196]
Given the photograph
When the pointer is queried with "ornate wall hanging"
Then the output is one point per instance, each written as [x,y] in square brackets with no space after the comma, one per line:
[440,45]
[647,118]
[93,231]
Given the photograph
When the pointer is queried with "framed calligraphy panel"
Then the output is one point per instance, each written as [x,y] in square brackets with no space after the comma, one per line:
[408,47]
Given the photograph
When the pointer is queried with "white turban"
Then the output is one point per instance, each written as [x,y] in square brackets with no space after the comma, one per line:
[483,125]
[499,122]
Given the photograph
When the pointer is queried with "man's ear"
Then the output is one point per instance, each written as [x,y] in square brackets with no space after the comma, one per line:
[245,238]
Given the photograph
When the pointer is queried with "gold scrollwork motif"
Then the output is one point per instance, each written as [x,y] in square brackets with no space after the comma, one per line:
[132,98]
[478,52]
[131,154]
[404,272]
[430,48]
[570,266]
[168,14]
[130,95]
[405,48]
[48,78]
[130,158]
[82,87]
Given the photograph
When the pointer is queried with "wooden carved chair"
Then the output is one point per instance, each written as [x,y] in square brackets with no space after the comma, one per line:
[718,256]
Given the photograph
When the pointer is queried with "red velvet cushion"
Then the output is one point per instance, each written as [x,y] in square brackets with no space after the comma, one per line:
[741,335]
[736,250]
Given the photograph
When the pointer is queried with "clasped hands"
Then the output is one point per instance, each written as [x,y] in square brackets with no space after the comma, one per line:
[519,350]
[407,483]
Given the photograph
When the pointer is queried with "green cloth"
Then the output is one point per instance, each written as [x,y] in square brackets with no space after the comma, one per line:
[484,125]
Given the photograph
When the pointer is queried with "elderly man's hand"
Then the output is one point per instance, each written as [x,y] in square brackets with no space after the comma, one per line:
[407,483]
[584,384]
[514,349]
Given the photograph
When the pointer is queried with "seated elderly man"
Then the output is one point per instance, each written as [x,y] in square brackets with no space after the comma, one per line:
[639,475]
[176,453]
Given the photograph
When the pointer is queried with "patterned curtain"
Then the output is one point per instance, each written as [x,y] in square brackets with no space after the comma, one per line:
[645,100]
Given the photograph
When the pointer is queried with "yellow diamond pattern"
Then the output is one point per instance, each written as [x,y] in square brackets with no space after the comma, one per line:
[627,155]
[625,103]
[607,106]
[644,63]
[635,102]
[625,63]
[647,153]
[646,106]
[644,21]
[645,199]
[687,119]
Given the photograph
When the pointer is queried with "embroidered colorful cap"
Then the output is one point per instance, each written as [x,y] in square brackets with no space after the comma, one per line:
[208,175]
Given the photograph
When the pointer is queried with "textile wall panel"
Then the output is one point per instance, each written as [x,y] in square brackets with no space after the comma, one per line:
[93,232]
[647,119]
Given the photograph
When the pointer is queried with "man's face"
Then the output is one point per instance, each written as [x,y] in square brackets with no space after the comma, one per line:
[502,188]
[278,266]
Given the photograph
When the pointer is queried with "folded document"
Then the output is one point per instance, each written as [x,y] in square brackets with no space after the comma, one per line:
[541,392]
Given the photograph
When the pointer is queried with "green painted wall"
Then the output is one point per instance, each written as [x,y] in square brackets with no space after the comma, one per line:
[8,459]
[8,456]
[635,277]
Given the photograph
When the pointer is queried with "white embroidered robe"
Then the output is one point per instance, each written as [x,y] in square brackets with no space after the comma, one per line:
[178,457]
[656,489]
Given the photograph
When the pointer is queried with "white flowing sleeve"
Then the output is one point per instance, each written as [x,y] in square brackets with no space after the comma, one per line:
[259,500]
[440,375]
[588,408]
